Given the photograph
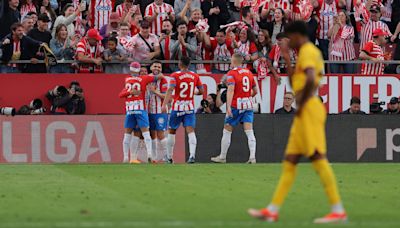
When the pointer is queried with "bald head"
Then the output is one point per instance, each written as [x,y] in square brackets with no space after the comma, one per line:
[237,60]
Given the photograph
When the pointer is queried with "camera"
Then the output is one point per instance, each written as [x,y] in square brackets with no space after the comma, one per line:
[221,86]
[36,104]
[7,111]
[204,103]
[164,31]
[375,107]
[38,111]
[58,91]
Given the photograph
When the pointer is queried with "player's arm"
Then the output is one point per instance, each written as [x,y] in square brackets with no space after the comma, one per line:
[254,90]
[308,90]
[274,73]
[167,99]
[125,93]
[229,98]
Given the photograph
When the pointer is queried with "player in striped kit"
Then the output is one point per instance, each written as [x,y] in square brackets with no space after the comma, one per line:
[183,82]
[373,51]
[137,118]
[372,24]
[239,108]
[100,11]
[156,13]
[158,119]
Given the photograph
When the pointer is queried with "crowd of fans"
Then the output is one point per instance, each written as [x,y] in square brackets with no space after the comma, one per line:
[96,32]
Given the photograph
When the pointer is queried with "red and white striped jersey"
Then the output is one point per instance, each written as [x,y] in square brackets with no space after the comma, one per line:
[325,13]
[222,52]
[164,11]
[366,30]
[155,102]
[275,57]
[136,102]
[100,12]
[342,46]
[244,49]
[184,83]
[121,8]
[387,11]
[203,53]
[25,9]
[375,51]
[244,82]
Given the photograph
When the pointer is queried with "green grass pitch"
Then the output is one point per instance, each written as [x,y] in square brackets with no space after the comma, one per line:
[200,195]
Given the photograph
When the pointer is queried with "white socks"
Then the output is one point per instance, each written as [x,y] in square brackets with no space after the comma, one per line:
[251,139]
[192,144]
[125,145]
[134,147]
[225,143]
[273,208]
[170,146]
[162,147]
[148,142]
[154,149]
[337,208]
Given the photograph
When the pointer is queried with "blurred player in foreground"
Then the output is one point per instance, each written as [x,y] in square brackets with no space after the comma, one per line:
[184,83]
[137,118]
[239,108]
[307,135]
[158,120]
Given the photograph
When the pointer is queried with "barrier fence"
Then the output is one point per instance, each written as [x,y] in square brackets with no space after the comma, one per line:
[98,139]
[101,90]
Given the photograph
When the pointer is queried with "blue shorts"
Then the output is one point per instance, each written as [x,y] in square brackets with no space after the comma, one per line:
[240,116]
[188,118]
[136,120]
[158,122]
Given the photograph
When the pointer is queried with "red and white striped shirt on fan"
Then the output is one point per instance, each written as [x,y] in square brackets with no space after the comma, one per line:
[222,52]
[342,46]
[16,52]
[325,13]
[375,51]
[366,30]
[155,102]
[121,8]
[25,9]
[100,12]
[164,9]
[274,4]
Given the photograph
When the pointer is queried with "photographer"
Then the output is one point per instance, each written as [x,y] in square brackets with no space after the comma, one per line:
[34,108]
[393,107]
[67,101]
[209,105]
[221,95]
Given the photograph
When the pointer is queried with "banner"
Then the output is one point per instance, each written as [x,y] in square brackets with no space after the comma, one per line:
[350,138]
[101,90]
[68,139]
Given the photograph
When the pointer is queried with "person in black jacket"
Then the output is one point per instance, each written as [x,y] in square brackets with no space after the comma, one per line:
[276,26]
[354,107]
[216,11]
[9,15]
[17,46]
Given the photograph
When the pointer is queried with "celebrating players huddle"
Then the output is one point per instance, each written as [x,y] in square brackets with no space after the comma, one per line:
[149,96]
[307,135]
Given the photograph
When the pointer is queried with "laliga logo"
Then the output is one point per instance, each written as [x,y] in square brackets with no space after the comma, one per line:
[367,139]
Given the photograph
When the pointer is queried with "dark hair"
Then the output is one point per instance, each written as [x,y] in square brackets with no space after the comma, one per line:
[251,36]
[184,61]
[31,13]
[297,27]
[167,20]
[156,62]
[222,31]
[180,22]
[267,43]
[113,39]
[246,11]
[58,28]
[50,10]
[15,26]
[283,14]
[281,35]
[347,16]
[213,96]
[66,7]
[355,100]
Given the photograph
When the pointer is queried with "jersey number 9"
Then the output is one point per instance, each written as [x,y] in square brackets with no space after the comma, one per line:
[246,84]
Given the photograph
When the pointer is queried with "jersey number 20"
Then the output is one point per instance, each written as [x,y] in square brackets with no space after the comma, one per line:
[135,86]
